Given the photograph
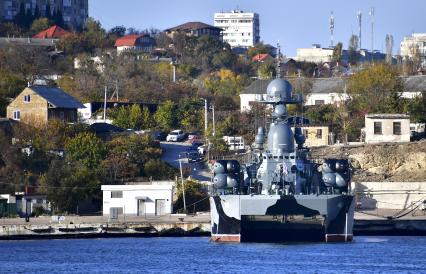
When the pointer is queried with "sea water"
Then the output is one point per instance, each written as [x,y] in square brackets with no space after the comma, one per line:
[198,255]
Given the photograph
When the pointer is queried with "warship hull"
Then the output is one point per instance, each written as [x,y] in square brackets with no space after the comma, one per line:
[282,218]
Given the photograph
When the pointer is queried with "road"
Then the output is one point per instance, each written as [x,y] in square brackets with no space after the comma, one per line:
[171,153]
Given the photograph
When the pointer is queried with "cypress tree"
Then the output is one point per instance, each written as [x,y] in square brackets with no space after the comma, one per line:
[59,20]
[48,12]
[37,12]
[20,16]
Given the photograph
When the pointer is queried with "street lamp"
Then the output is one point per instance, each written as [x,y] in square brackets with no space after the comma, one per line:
[214,127]
[183,186]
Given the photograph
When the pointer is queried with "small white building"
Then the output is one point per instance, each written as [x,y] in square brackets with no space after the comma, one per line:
[315,54]
[387,128]
[154,198]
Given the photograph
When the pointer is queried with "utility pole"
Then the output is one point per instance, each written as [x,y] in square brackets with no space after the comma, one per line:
[332,28]
[359,16]
[105,102]
[173,71]
[183,186]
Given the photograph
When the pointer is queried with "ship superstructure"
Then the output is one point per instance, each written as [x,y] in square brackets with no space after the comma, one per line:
[281,194]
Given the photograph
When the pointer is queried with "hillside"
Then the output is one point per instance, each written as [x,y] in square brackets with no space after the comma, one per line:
[382,162]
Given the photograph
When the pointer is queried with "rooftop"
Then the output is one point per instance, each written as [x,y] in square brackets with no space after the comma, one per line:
[52,32]
[192,26]
[57,97]
[129,40]
[260,57]
[387,116]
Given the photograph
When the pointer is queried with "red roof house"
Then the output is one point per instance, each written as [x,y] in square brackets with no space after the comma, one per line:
[261,57]
[141,42]
[52,32]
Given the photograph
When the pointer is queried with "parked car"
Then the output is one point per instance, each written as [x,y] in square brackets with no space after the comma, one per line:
[175,136]
[194,157]
[194,146]
[159,135]
[202,149]
[194,135]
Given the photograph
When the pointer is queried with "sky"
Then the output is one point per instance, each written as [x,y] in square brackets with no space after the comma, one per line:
[294,24]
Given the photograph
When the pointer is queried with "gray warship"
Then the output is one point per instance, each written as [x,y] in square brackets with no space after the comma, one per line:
[281,194]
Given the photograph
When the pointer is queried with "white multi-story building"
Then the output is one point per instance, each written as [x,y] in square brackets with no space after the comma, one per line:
[240,29]
[413,45]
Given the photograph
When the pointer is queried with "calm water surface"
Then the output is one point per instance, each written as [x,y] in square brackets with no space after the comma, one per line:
[198,255]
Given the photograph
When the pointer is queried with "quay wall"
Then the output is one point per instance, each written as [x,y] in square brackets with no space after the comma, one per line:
[389,195]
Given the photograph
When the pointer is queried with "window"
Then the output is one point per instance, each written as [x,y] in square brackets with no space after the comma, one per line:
[17,115]
[116,194]
[319,133]
[396,128]
[378,128]
[27,98]
[306,133]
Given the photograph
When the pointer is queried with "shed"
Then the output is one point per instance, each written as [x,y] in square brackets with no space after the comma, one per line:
[149,199]
[387,128]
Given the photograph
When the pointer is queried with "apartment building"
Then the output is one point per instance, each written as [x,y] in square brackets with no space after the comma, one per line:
[240,29]
[414,47]
[74,12]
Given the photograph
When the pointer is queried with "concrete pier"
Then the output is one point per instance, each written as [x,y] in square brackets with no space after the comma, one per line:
[100,227]
[372,222]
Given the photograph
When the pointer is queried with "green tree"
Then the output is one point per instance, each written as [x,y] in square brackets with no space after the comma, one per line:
[121,117]
[39,25]
[86,149]
[337,52]
[147,119]
[190,115]
[135,117]
[165,116]
[377,89]
[196,197]
[68,184]
[11,85]
[353,49]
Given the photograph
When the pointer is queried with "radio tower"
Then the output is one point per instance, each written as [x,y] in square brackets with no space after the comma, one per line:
[359,16]
[371,13]
[332,27]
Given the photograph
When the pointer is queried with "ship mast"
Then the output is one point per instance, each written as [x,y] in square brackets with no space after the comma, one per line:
[278,61]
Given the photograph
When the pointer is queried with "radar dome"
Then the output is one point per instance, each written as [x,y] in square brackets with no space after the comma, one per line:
[279,88]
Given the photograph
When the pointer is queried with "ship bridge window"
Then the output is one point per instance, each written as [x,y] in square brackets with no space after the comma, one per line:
[286,156]
[264,157]
[270,157]
[281,157]
[275,157]
[292,157]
